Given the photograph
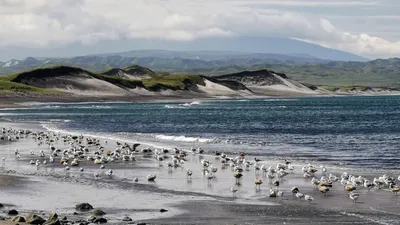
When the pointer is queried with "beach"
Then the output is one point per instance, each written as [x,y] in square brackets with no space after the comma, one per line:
[50,188]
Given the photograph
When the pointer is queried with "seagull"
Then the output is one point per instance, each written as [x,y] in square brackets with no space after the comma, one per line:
[96,175]
[234,190]
[354,196]
[276,184]
[109,172]
[272,193]
[102,166]
[323,189]
[299,195]
[308,198]
[258,183]
[394,189]
[294,190]
[151,177]
[349,188]
[279,194]
[136,179]
[81,169]
[189,173]
[67,168]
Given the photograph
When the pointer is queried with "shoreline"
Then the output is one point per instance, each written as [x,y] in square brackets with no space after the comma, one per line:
[196,202]
[10,102]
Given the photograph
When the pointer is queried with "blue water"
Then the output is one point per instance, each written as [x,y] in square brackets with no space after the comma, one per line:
[353,131]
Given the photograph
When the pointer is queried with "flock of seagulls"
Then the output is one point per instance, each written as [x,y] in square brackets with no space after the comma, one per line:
[82,150]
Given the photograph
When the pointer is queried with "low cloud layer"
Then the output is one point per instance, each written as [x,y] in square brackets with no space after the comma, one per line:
[49,23]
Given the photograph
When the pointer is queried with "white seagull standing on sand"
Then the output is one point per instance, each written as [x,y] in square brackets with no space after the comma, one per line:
[308,198]
[354,196]
[299,195]
[189,174]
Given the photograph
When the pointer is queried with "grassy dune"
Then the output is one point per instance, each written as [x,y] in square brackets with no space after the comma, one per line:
[175,82]
[8,87]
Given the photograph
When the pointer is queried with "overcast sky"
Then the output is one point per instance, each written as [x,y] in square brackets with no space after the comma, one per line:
[367,28]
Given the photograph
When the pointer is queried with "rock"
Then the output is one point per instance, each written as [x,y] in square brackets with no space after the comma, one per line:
[126,219]
[94,219]
[163,210]
[1,205]
[100,220]
[80,222]
[34,219]
[141,223]
[12,212]
[64,218]
[75,213]
[53,220]
[83,207]
[91,218]
[2,218]
[18,219]
[98,212]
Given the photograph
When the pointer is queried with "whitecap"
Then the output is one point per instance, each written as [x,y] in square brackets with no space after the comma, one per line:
[183,138]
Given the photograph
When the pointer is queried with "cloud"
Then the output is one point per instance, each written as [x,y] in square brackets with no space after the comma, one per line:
[58,22]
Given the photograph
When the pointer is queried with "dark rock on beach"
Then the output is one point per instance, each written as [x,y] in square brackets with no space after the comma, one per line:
[1,205]
[97,220]
[163,210]
[53,220]
[98,212]
[100,220]
[34,219]
[83,207]
[12,212]
[127,219]
[18,219]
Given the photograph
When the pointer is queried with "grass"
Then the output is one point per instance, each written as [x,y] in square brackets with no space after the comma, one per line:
[351,88]
[49,72]
[175,82]
[143,70]
[8,87]
[118,81]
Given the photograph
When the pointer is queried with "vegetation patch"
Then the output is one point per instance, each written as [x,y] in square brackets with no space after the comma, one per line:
[120,82]
[174,82]
[8,87]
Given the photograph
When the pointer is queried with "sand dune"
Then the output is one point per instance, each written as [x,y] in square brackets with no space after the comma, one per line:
[213,89]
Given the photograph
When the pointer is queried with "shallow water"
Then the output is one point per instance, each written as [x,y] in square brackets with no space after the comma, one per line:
[352,131]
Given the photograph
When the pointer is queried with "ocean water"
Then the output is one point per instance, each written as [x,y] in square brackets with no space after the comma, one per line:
[344,131]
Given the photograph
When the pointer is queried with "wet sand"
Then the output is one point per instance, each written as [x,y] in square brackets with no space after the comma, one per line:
[194,201]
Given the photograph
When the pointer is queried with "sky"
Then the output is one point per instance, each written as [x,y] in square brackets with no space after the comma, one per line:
[363,27]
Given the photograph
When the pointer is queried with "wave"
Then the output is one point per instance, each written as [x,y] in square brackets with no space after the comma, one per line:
[183,138]
[78,107]
[182,106]
[105,136]
[281,100]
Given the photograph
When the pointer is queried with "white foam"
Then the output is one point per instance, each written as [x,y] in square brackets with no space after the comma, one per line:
[51,127]
[183,138]
[182,106]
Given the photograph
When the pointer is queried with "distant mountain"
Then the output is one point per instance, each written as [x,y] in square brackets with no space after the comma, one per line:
[167,60]
[225,45]
[234,45]
[215,55]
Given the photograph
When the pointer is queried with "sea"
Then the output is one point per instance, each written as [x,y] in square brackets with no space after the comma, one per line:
[361,131]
